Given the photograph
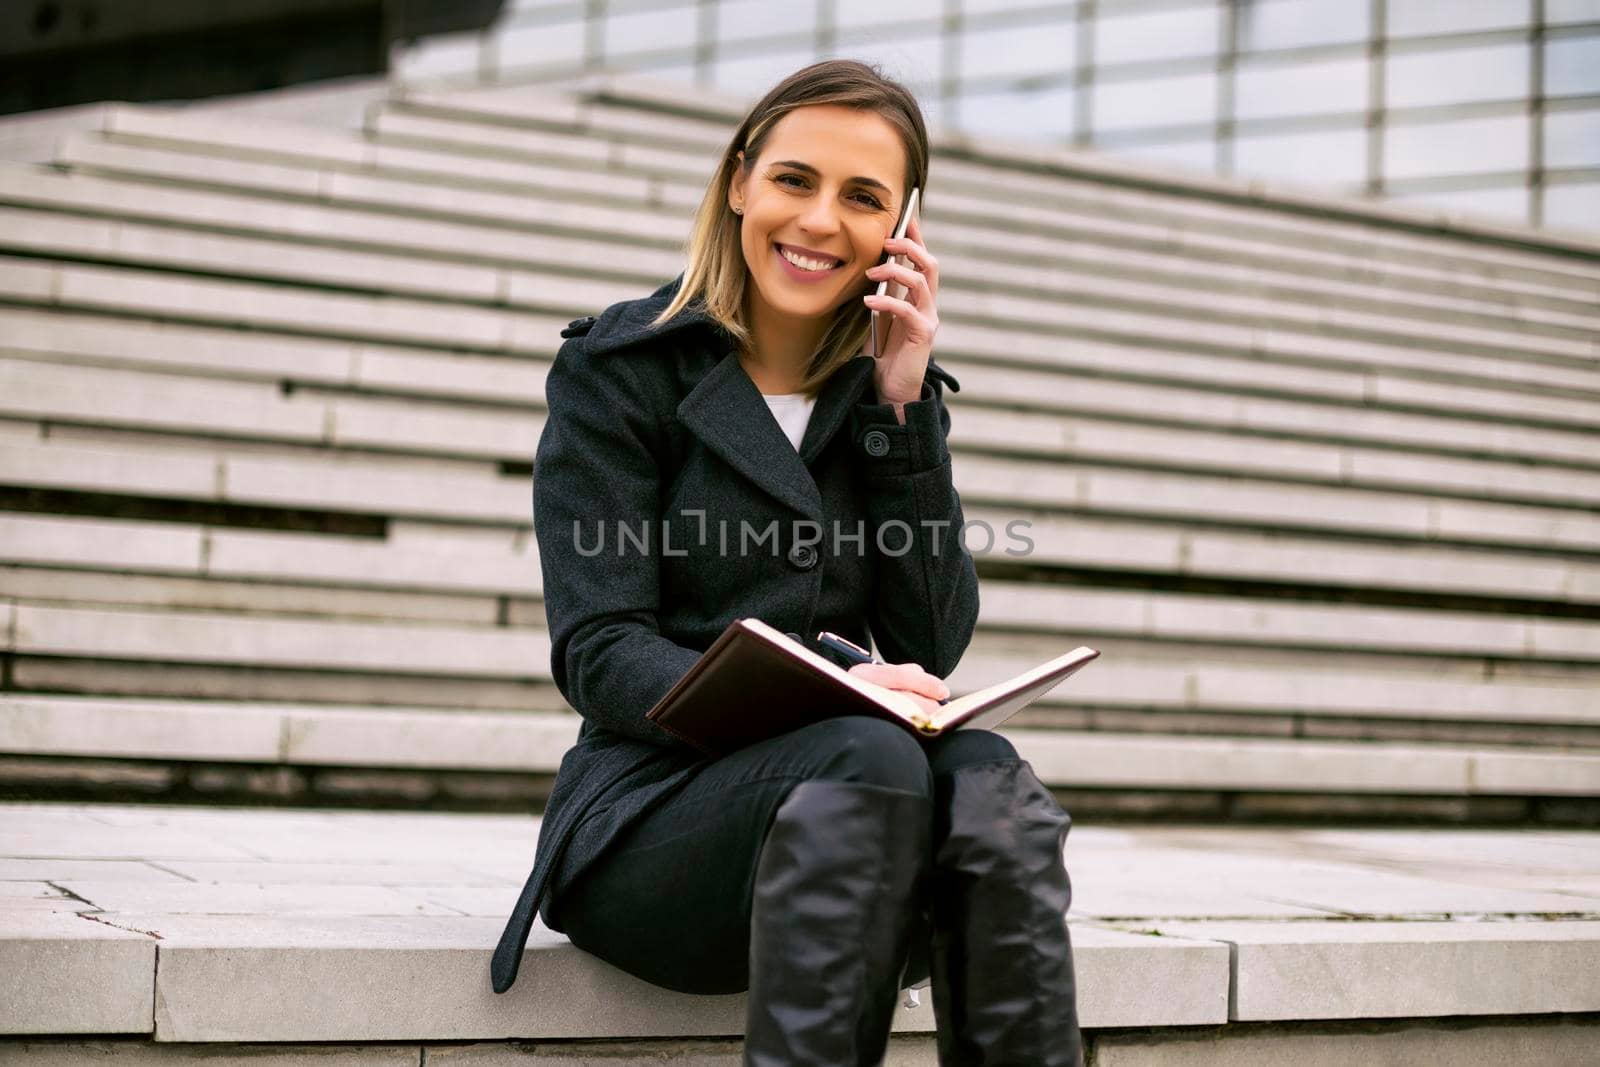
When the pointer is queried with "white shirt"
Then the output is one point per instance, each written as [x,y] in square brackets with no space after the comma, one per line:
[793,411]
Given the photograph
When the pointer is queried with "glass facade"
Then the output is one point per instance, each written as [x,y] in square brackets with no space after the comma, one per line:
[1488,107]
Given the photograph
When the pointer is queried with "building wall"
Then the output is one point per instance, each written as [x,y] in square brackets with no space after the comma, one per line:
[1483,106]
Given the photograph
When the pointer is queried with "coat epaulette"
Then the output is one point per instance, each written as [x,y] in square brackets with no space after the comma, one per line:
[578,327]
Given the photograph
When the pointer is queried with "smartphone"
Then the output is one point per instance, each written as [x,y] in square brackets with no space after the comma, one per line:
[889,287]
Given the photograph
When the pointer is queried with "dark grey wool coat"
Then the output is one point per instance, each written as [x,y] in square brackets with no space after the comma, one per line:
[662,431]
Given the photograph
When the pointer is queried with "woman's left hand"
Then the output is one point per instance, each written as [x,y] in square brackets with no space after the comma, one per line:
[915,319]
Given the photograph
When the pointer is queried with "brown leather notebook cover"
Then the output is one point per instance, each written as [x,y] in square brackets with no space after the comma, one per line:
[755,682]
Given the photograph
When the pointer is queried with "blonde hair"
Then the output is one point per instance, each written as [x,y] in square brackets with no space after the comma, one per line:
[716,275]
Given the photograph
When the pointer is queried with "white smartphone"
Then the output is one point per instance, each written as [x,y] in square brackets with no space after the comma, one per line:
[889,287]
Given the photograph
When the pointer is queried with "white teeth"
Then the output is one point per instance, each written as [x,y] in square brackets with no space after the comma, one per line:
[805,264]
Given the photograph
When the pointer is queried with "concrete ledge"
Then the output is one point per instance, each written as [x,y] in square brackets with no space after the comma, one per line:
[53,959]
[1551,1041]
[281,926]
[1394,969]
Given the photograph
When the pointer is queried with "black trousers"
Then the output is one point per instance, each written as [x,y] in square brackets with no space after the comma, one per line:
[669,900]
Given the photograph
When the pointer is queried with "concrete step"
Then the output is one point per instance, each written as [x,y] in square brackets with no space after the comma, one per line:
[525,325]
[145,221]
[1276,680]
[1287,323]
[1205,260]
[164,403]
[1137,215]
[156,909]
[251,586]
[478,492]
[1109,380]
[534,741]
[621,105]
[687,162]
[502,561]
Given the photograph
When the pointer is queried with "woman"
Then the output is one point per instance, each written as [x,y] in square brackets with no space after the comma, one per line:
[722,449]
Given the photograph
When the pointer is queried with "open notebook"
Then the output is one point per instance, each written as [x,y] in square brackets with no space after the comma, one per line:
[755,682]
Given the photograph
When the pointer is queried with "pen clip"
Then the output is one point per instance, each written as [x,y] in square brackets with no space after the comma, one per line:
[866,656]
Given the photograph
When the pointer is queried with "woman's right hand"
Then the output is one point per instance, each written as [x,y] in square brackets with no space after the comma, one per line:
[908,679]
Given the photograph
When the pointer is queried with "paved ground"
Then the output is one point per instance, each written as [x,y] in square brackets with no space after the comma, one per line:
[259,913]
[267,862]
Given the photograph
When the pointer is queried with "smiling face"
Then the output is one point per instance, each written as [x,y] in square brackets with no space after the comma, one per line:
[827,188]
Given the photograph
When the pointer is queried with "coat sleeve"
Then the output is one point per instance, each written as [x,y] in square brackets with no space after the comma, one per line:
[593,470]
[925,605]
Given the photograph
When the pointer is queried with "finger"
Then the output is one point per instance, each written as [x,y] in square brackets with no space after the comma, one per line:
[912,248]
[904,677]
[917,680]
[920,328]
[876,673]
[916,283]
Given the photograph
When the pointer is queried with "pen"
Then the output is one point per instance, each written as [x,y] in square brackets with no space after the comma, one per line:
[850,650]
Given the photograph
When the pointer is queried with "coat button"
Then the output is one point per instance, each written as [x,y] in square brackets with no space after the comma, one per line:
[803,557]
[577,326]
[876,442]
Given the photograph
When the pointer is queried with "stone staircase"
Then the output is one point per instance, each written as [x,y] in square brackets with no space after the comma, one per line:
[1319,478]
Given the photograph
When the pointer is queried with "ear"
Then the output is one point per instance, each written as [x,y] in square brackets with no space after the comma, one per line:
[736,184]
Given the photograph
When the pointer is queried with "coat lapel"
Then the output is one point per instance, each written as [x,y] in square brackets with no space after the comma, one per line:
[849,386]
[725,410]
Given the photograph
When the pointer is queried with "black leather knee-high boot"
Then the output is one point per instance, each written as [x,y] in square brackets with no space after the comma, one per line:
[1004,991]
[836,891]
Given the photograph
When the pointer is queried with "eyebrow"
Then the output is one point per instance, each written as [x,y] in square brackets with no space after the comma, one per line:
[859,178]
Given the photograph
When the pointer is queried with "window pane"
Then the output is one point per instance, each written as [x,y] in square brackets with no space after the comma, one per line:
[903,58]
[992,7]
[1572,139]
[1410,18]
[1156,35]
[1508,204]
[1574,206]
[647,31]
[1334,157]
[1194,156]
[1269,88]
[1499,72]
[1162,102]
[753,75]
[1557,11]
[898,13]
[1049,48]
[738,19]
[1288,23]
[1475,146]
[552,44]
[1042,115]
[1571,66]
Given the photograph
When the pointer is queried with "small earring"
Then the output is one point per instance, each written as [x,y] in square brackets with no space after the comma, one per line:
[738,211]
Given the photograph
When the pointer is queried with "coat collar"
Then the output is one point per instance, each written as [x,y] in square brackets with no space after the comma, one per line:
[627,323]
[726,411]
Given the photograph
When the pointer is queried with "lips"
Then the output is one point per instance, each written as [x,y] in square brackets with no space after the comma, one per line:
[809,255]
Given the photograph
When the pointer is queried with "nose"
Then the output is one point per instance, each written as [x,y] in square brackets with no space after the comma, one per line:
[820,218]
